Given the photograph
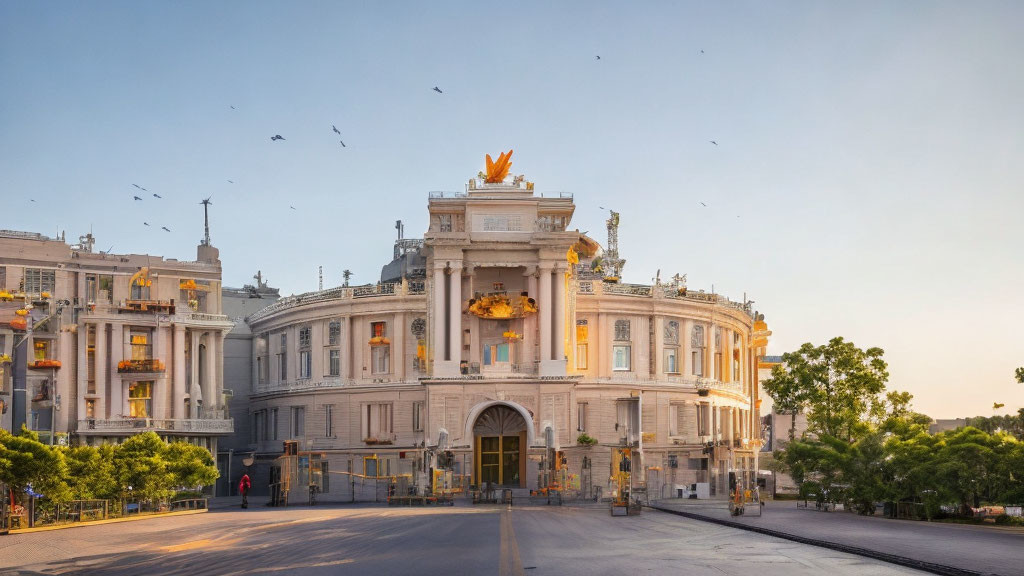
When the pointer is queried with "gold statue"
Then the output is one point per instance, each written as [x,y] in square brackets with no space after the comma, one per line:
[497,171]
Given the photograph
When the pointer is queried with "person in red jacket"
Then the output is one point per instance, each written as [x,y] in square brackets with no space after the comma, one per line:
[243,486]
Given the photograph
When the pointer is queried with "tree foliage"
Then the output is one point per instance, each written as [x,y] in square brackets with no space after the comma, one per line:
[25,461]
[837,384]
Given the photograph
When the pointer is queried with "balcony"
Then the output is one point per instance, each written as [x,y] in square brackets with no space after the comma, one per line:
[140,360]
[138,425]
[147,306]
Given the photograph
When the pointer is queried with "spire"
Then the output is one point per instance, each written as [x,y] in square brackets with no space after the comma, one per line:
[206,220]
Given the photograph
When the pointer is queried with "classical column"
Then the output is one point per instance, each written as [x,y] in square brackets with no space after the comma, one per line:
[455,314]
[194,391]
[545,305]
[530,322]
[558,337]
[100,361]
[116,384]
[210,370]
[346,348]
[178,373]
[83,367]
[440,343]
[398,357]
[161,386]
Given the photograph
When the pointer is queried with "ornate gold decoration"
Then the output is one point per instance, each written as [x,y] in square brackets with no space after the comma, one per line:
[571,256]
[499,305]
[497,171]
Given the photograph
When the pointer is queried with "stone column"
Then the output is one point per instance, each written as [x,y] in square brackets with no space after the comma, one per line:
[346,348]
[83,367]
[178,374]
[530,322]
[209,377]
[116,384]
[194,391]
[398,357]
[439,342]
[455,314]
[545,306]
[103,404]
[558,336]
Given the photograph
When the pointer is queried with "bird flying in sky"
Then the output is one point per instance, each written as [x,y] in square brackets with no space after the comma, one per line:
[597,57]
[165,228]
[136,197]
[342,143]
[703,204]
[438,90]
[277,137]
[335,128]
[145,223]
[155,195]
[713,142]
[997,405]
[232,107]
[231,181]
[292,207]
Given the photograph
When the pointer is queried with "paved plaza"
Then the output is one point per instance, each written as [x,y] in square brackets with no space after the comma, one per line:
[457,540]
[982,549]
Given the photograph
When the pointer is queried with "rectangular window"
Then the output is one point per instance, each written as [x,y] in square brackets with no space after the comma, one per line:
[335,363]
[272,424]
[90,288]
[671,360]
[620,358]
[334,333]
[417,416]
[380,357]
[106,282]
[718,365]
[378,329]
[140,399]
[627,418]
[298,421]
[581,356]
[38,280]
[325,477]
[305,337]
[377,422]
[697,362]
[42,349]
[305,363]
[673,420]
[581,416]
[622,330]
[703,416]
[329,421]
[3,277]
[444,222]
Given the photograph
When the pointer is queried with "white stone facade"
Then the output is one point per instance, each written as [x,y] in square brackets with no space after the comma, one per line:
[380,371]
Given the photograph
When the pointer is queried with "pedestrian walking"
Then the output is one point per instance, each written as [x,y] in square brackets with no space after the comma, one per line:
[243,486]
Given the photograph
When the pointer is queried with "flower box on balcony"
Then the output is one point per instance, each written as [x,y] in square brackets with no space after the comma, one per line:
[377,442]
[44,364]
[132,366]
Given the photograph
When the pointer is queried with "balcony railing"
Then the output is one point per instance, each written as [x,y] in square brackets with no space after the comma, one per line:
[134,425]
[140,365]
[587,285]
[339,293]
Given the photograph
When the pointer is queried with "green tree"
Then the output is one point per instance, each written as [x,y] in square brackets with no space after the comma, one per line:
[91,472]
[24,461]
[140,469]
[1019,373]
[189,466]
[836,384]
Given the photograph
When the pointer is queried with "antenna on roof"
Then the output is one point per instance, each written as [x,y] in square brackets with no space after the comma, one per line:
[401,229]
[346,275]
[206,219]
[321,278]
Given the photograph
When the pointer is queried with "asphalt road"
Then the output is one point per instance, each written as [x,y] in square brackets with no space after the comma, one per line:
[402,541]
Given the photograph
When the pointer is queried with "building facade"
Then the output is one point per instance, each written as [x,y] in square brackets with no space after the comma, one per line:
[512,345]
[116,344]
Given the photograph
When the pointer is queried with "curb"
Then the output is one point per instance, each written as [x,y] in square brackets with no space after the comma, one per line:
[941,569]
[107,521]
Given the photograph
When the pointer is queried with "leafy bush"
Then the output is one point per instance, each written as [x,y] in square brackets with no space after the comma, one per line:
[585,439]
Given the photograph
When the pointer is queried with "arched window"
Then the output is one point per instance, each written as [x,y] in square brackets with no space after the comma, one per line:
[622,330]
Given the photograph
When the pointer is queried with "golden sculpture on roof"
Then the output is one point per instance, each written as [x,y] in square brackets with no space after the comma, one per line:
[497,171]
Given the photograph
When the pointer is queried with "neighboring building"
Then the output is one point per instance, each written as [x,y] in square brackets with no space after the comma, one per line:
[238,362]
[946,425]
[508,343]
[138,344]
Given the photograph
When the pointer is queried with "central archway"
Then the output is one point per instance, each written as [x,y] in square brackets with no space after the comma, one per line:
[500,442]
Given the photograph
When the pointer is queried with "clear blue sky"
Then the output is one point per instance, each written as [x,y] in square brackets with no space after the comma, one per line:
[868,180]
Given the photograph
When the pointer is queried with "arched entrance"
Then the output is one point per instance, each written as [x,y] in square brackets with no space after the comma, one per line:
[500,441]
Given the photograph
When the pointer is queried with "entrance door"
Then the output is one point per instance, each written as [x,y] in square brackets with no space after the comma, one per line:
[499,460]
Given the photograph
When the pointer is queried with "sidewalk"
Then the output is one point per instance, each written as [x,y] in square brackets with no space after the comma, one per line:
[956,549]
